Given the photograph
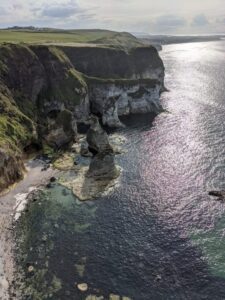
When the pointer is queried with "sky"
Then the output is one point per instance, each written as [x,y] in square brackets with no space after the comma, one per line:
[146,16]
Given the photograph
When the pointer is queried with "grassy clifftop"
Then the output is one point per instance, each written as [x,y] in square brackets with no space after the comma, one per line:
[53,36]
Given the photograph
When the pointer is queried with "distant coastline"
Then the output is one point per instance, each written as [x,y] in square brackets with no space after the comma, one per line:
[160,40]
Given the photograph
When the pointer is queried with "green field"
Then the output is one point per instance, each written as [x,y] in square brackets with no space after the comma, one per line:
[53,36]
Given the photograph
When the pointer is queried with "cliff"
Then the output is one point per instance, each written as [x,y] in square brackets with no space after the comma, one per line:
[45,90]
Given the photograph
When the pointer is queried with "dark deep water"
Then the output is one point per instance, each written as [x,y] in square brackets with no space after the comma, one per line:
[158,235]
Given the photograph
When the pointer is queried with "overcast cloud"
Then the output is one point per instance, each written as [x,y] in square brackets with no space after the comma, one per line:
[161,16]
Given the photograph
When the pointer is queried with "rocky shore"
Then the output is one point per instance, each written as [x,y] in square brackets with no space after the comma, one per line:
[9,204]
[88,174]
[45,92]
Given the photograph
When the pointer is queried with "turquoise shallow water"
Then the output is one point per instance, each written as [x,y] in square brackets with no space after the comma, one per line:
[158,235]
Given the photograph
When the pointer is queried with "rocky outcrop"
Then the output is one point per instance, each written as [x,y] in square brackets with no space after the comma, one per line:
[11,168]
[102,166]
[118,98]
[97,138]
[120,82]
[45,90]
[61,130]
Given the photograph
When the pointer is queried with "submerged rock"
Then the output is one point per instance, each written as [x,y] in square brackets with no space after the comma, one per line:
[114,297]
[64,162]
[30,269]
[93,297]
[85,187]
[83,287]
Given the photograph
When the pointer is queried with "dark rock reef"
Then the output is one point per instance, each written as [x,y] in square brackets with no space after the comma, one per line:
[46,90]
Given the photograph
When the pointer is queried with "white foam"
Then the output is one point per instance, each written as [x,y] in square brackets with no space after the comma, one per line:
[21,201]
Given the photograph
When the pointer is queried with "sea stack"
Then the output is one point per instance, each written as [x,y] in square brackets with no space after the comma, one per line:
[102,165]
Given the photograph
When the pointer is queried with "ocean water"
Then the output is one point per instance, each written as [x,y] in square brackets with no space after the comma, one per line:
[158,235]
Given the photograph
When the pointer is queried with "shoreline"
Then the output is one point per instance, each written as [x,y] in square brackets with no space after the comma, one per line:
[34,178]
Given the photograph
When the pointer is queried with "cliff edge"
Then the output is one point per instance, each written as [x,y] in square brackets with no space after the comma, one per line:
[45,90]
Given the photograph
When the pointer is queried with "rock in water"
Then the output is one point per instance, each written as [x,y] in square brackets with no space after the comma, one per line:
[93,297]
[219,194]
[97,138]
[103,166]
[114,297]
[102,172]
[83,287]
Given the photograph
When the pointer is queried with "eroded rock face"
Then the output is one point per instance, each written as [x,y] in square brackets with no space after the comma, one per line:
[62,130]
[97,138]
[11,168]
[117,99]
[137,63]
[103,166]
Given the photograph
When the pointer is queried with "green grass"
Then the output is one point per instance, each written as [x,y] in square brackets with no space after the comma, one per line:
[67,36]
[121,81]
[16,129]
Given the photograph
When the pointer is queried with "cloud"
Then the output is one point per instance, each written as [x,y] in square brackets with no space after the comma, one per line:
[168,23]
[17,6]
[61,10]
[4,11]
[87,16]
[161,16]
[200,20]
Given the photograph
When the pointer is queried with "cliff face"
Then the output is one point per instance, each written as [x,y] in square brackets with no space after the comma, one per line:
[141,62]
[45,90]
[118,98]
[120,82]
